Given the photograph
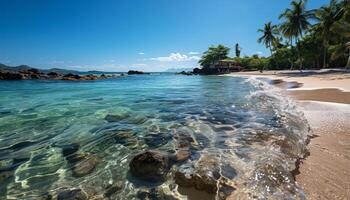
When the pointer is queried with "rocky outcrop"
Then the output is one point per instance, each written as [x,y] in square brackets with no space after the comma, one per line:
[86,166]
[32,73]
[185,73]
[10,76]
[135,72]
[206,175]
[150,166]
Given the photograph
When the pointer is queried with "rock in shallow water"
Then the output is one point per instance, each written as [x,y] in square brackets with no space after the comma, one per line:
[205,176]
[86,166]
[74,194]
[113,188]
[150,166]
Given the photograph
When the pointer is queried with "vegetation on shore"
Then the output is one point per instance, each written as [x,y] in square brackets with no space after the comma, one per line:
[305,39]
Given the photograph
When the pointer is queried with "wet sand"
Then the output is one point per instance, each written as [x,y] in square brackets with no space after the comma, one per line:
[325,174]
[325,99]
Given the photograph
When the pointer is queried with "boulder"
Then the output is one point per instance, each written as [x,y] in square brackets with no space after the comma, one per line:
[198,181]
[150,166]
[73,194]
[113,188]
[204,176]
[69,149]
[86,166]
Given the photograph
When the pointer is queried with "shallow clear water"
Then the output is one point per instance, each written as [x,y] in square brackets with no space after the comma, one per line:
[250,130]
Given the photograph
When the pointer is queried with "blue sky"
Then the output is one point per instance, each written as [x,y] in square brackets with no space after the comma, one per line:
[118,35]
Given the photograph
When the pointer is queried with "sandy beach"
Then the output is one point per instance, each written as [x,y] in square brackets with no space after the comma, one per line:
[324,96]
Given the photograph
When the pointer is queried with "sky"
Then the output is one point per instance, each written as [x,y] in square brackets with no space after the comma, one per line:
[120,35]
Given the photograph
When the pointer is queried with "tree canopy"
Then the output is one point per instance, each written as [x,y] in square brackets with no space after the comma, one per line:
[213,55]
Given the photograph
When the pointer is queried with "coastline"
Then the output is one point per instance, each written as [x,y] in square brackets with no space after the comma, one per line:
[324,98]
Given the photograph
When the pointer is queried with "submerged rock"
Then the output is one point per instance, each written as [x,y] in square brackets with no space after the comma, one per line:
[182,155]
[205,176]
[198,181]
[150,166]
[69,149]
[86,166]
[74,194]
[154,194]
[113,188]
[155,140]
[116,117]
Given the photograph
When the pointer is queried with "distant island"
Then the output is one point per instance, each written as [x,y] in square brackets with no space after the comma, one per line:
[25,72]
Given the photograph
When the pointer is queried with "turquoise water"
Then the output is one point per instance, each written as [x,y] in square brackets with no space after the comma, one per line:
[244,124]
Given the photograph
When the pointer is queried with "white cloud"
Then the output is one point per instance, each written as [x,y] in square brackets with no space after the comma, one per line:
[175,57]
[141,53]
[259,52]
[193,53]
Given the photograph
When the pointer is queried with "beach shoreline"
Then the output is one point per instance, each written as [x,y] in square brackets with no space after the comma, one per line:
[324,97]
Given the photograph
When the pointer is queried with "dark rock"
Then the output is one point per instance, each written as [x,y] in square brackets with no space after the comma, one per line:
[69,149]
[33,70]
[53,74]
[10,76]
[86,166]
[157,139]
[74,194]
[154,194]
[184,139]
[71,77]
[5,175]
[204,176]
[45,196]
[150,166]
[196,71]
[113,188]
[225,190]
[116,117]
[276,81]
[185,73]
[125,138]
[34,76]
[197,181]
[131,72]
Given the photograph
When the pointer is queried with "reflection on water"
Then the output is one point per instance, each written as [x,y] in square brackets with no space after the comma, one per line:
[76,139]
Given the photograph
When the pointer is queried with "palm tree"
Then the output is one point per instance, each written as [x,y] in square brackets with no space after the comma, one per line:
[269,37]
[327,16]
[296,21]
[341,29]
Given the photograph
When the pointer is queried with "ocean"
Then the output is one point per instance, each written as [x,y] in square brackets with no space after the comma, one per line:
[242,131]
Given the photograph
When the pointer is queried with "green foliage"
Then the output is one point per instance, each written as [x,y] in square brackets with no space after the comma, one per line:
[213,55]
[251,63]
[297,41]
[238,50]
[269,38]
[323,44]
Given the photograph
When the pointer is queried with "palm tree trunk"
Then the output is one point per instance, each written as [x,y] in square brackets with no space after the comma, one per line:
[324,55]
[299,55]
[291,48]
[348,64]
